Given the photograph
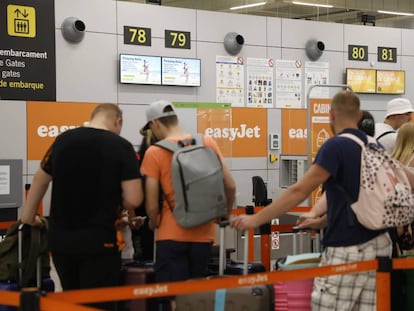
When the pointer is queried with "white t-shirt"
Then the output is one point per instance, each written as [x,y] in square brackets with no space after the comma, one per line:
[388,140]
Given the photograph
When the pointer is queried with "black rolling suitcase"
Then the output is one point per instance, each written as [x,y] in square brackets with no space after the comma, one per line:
[252,298]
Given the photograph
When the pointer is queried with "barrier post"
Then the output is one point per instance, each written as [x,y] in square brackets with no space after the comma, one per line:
[250,234]
[384,284]
[265,232]
[29,299]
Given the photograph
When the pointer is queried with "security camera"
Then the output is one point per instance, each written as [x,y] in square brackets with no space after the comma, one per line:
[73,29]
[314,49]
[233,43]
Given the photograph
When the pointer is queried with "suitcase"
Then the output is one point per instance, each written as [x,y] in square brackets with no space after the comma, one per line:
[136,273]
[295,295]
[252,298]
[44,284]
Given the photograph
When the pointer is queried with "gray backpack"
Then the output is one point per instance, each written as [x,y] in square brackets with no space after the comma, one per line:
[197,177]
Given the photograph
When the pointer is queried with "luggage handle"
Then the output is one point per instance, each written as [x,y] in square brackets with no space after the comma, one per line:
[31,255]
[301,232]
[223,224]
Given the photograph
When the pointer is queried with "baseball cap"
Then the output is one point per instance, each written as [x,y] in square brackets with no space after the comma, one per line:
[398,106]
[156,110]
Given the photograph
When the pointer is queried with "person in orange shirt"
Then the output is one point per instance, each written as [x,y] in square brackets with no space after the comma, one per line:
[181,253]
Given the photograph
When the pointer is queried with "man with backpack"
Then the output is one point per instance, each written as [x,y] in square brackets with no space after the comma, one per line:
[337,166]
[182,252]
[399,111]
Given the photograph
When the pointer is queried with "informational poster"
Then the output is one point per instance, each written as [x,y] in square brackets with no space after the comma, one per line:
[4,179]
[230,80]
[27,50]
[317,73]
[289,84]
[320,132]
[260,86]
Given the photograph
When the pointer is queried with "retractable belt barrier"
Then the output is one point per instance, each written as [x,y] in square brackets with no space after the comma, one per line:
[69,300]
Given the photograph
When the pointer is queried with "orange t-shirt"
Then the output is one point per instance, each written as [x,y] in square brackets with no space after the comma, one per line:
[157,164]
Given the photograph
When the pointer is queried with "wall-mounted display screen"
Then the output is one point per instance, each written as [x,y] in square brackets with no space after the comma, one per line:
[181,71]
[390,81]
[361,80]
[139,69]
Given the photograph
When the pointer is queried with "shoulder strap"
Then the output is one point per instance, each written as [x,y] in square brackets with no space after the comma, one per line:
[172,146]
[354,138]
[384,134]
[167,145]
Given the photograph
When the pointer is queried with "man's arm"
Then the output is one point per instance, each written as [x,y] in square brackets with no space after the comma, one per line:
[37,190]
[152,207]
[132,194]
[229,187]
[290,198]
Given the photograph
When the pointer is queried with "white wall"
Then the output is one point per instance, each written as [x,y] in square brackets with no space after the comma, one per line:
[88,71]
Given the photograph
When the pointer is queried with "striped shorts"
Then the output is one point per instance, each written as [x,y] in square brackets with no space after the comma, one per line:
[352,291]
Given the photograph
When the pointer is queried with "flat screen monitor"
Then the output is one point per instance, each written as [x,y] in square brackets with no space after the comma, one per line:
[390,81]
[181,71]
[361,80]
[139,69]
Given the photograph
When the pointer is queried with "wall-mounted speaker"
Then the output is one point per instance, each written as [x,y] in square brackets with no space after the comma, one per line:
[233,43]
[73,29]
[314,49]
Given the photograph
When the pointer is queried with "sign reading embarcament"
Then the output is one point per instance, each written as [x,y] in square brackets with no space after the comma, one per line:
[27,50]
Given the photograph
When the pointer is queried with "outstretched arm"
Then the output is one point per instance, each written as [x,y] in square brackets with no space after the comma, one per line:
[290,198]
[37,190]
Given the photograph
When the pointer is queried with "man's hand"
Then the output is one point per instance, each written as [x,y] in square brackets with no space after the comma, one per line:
[243,222]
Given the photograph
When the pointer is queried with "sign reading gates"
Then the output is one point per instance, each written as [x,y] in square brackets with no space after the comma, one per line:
[27,50]
[46,120]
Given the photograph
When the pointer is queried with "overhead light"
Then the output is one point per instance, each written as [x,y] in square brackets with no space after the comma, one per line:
[251,5]
[313,4]
[395,13]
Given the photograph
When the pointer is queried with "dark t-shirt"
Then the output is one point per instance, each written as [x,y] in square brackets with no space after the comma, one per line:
[87,166]
[341,157]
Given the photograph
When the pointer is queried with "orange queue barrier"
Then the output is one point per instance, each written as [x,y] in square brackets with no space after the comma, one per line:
[241,210]
[194,286]
[4,225]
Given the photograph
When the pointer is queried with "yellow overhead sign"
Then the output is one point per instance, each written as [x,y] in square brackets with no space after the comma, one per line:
[21,21]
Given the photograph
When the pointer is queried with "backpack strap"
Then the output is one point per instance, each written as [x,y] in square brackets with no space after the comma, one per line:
[167,145]
[384,134]
[354,138]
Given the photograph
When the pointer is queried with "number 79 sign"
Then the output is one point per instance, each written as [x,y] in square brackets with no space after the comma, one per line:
[177,39]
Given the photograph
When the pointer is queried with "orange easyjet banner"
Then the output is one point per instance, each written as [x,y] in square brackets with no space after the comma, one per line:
[294,132]
[320,132]
[243,133]
[46,120]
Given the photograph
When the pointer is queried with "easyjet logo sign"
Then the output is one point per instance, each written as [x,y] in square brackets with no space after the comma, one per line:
[239,132]
[232,133]
[46,120]
[294,128]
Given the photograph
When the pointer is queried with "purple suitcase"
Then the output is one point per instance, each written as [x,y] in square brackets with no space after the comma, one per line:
[45,285]
[252,298]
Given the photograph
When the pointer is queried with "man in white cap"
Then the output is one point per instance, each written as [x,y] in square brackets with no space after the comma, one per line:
[399,111]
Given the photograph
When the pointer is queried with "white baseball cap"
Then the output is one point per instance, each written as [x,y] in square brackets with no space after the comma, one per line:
[398,106]
[156,110]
